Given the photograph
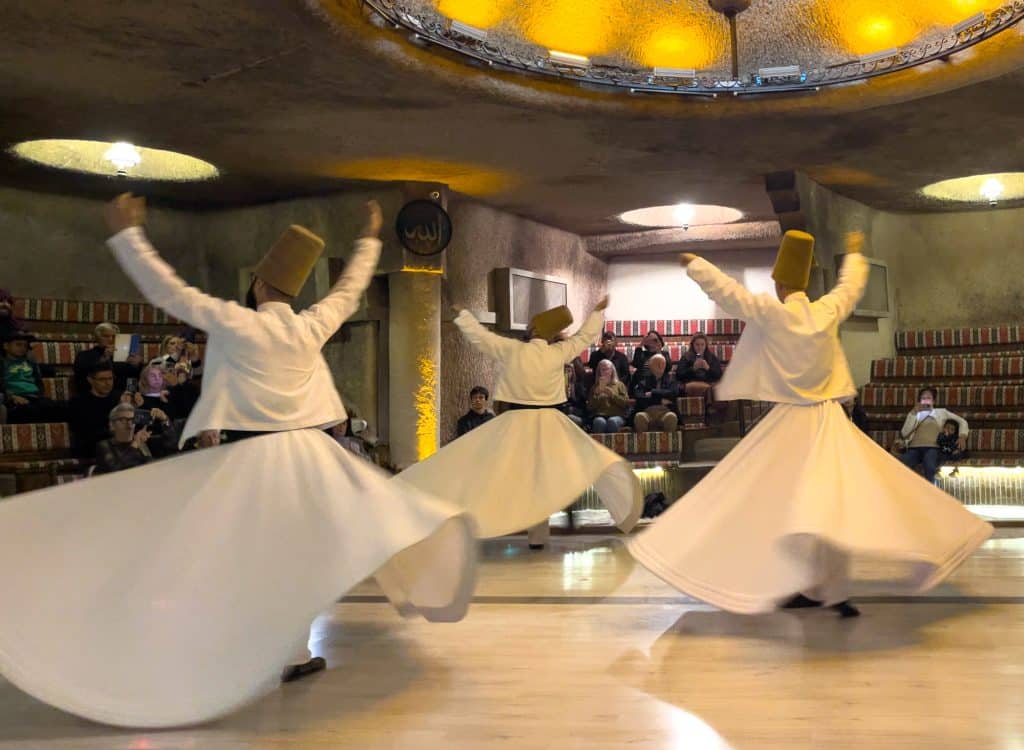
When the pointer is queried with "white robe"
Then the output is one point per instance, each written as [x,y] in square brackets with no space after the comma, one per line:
[805,490]
[516,470]
[175,592]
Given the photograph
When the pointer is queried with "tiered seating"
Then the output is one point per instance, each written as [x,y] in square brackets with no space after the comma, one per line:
[35,454]
[38,455]
[977,372]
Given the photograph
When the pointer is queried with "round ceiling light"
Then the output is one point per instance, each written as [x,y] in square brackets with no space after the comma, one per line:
[681,215]
[119,159]
[979,188]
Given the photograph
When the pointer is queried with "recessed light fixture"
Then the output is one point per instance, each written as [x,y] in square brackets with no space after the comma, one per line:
[683,215]
[115,159]
[979,188]
[567,58]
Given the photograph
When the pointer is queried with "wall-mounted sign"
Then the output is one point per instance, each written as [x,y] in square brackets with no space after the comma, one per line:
[423,227]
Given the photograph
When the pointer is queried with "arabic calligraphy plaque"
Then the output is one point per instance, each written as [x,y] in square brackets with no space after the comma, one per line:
[423,227]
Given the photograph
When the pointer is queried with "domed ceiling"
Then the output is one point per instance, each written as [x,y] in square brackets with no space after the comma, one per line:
[685,46]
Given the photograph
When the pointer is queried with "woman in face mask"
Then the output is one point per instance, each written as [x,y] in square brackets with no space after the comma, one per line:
[919,436]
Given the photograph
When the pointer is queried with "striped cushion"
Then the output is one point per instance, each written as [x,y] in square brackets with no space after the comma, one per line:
[58,464]
[146,338]
[983,441]
[59,389]
[77,311]
[948,367]
[712,327]
[643,443]
[57,352]
[972,417]
[993,396]
[950,337]
[28,438]
[691,406]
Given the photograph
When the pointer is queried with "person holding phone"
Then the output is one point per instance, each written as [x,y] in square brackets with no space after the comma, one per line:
[137,437]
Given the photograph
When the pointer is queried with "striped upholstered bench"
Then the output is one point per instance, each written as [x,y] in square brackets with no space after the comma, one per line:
[992,367]
[63,353]
[981,398]
[35,454]
[58,389]
[645,445]
[986,447]
[78,311]
[712,327]
[982,337]
[891,419]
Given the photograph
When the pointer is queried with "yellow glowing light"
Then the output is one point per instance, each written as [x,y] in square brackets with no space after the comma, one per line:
[979,188]
[110,159]
[419,269]
[654,472]
[980,472]
[480,13]
[471,179]
[677,46]
[426,409]
[580,27]
[954,11]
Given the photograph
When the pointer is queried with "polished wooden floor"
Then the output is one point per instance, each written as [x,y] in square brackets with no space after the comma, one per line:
[576,647]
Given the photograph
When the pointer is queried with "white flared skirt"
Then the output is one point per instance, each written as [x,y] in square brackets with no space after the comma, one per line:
[517,469]
[175,592]
[803,486]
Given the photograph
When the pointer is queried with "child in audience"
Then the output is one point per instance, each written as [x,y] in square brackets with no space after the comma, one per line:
[949,449]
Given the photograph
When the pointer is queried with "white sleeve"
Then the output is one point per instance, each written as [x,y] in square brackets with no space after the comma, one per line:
[730,295]
[484,341]
[327,315]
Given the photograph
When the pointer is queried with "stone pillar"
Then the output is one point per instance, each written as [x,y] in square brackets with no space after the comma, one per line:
[414,348]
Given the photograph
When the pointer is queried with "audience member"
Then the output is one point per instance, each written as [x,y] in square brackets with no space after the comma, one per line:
[350,434]
[152,388]
[90,410]
[609,352]
[103,351]
[22,384]
[134,441]
[951,450]
[655,394]
[919,436]
[608,405]
[699,369]
[9,322]
[478,412]
[652,344]
[176,352]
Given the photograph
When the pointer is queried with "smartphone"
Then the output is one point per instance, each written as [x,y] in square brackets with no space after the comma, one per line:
[143,418]
[131,385]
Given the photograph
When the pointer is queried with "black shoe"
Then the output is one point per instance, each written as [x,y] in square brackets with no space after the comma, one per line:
[536,546]
[800,602]
[845,609]
[298,671]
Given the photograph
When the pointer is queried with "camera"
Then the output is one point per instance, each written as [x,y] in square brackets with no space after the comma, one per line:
[143,418]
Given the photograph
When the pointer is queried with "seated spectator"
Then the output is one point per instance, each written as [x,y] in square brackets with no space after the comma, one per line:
[182,390]
[152,388]
[652,344]
[349,435]
[133,444]
[103,351]
[608,405]
[575,406]
[478,412]
[951,451]
[175,352]
[90,411]
[9,322]
[21,384]
[919,436]
[609,352]
[655,395]
[699,369]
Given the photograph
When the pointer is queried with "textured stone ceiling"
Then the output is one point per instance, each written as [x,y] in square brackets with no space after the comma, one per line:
[285,101]
[689,34]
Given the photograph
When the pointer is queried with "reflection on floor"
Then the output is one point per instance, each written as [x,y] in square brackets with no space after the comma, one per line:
[576,647]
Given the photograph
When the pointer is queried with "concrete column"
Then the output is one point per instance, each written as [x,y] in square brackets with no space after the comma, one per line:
[414,347]
[414,365]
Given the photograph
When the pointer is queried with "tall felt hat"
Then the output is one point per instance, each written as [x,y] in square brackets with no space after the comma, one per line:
[288,262]
[548,324]
[794,261]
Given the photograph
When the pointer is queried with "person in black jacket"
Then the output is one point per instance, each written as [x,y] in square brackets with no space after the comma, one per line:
[699,369]
[103,351]
[608,351]
[652,344]
[478,412]
[90,411]
[656,394]
[132,444]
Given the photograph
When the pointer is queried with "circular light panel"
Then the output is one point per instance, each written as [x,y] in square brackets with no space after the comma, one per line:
[115,159]
[681,215]
[979,188]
